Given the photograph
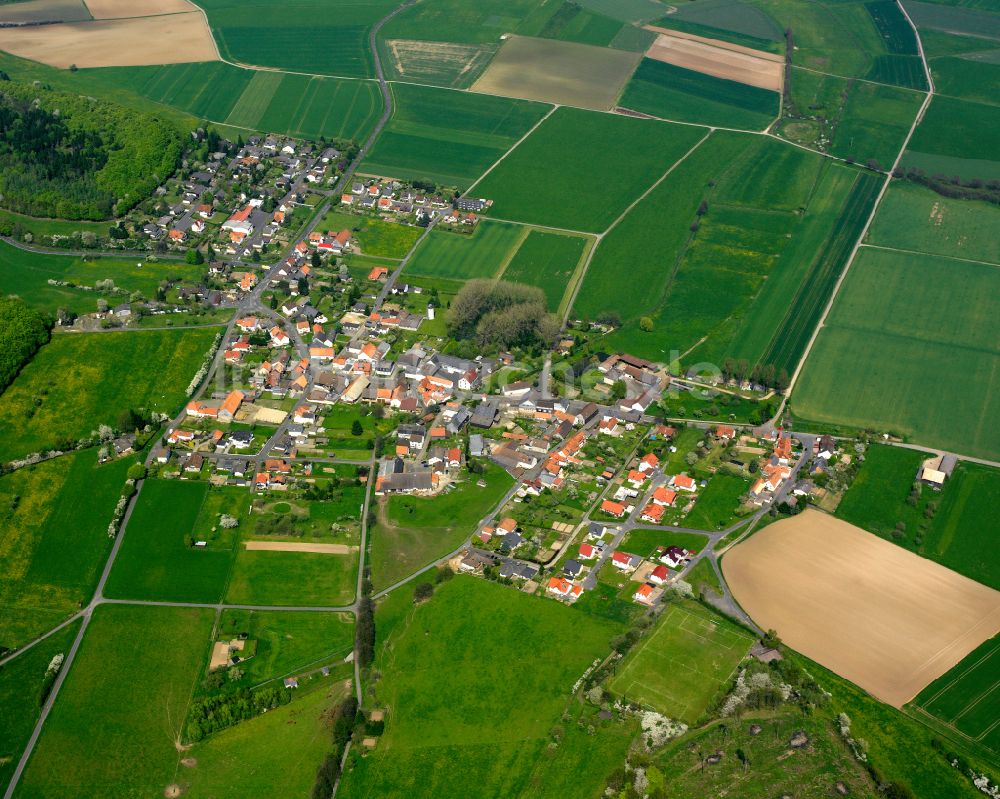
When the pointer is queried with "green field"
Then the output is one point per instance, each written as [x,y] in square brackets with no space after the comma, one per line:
[293,578]
[414,531]
[79,381]
[582,187]
[297,35]
[26,274]
[802,311]
[471,23]
[670,92]
[836,38]
[955,532]
[53,539]
[553,71]
[880,358]
[375,236]
[717,505]
[912,217]
[40,226]
[680,668]
[574,23]
[298,105]
[902,65]
[730,20]
[470,733]
[446,136]
[44,11]
[966,697]
[766,248]
[547,260]
[21,690]
[112,732]
[155,561]
[461,257]
[957,137]
[245,760]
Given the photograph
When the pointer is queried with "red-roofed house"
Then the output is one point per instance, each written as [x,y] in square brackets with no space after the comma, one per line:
[648,462]
[682,482]
[664,496]
[616,509]
[587,552]
[652,513]
[659,575]
[644,594]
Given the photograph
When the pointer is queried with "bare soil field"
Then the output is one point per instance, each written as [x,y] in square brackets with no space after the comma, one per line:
[441,63]
[876,614]
[717,58]
[558,72]
[297,546]
[167,39]
[118,9]
[43,11]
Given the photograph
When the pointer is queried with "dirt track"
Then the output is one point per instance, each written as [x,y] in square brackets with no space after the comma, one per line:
[296,546]
[717,58]
[873,612]
[168,39]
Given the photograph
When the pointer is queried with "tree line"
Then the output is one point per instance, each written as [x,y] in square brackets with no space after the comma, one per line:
[496,313]
[215,713]
[75,157]
[22,331]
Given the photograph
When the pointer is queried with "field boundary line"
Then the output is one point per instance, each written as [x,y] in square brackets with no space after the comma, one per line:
[859,80]
[523,237]
[931,254]
[928,97]
[959,677]
[972,705]
[577,277]
[600,236]
[511,149]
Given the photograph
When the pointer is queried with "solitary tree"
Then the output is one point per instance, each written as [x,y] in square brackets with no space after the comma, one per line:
[356,428]
[646,324]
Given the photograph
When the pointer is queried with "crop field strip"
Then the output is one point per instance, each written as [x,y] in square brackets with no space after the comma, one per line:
[967,698]
[449,136]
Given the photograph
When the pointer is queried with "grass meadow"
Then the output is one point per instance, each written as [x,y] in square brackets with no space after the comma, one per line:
[155,561]
[375,236]
[966,697]
[293,578]
[22,689]
[446,136]
[548,261]
[912,217]
[671,92]
[414,531]
[684,663]
[901,325]
[454,728]
[290,741]
[874,122]
[902,747]
[580,187]
[956,532]
[457,256]
[79,381]
[113,730]
[53,539]
[717,505]
[26,274]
